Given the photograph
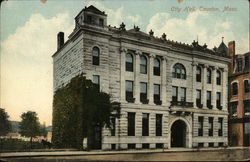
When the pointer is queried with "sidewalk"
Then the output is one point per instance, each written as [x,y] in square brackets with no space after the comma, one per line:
[100,152]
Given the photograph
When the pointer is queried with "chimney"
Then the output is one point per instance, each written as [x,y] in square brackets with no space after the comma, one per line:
[60,40]
[231,49]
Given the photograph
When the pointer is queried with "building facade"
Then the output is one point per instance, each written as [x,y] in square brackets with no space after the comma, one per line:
[239,98]
[172,94]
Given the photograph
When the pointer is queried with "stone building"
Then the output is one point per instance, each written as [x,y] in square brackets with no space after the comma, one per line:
[239,98]
[172,94]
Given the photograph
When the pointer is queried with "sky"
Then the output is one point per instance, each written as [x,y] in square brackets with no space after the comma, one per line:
[29,28]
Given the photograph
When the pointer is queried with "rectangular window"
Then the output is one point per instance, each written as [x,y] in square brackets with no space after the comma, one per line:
[100,22]
[157,97]
[198,74]
[183,94]
[89,19]
[174,94]
[235,89]
[239,65]
[220,120]
[96,82]
[200,144]
[209,100]
[112,126]
[143,93]
[210,126]
[198,98]
[113,146]
[218,100]
[200,126]
[234,106]
[210,144]
[131,124]
[145,145]
[158,125]
[246,106]
[246,86]
[159,145]
[145,124]
[129,91]
[131,146]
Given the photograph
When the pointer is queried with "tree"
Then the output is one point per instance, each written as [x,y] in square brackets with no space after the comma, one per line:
[78,110]
[5,125]
[29,125]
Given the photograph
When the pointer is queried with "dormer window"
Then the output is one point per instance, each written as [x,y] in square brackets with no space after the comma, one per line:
[100,22]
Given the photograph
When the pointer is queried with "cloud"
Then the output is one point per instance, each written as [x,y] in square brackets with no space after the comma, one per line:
[208,27]
[136,20]
[26,65]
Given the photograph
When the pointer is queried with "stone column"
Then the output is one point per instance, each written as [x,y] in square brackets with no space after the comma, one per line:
[150,79]
[194,66]
[123,52]
[214,87]
[163,80]
[136,77]
[224,88]
[204,83]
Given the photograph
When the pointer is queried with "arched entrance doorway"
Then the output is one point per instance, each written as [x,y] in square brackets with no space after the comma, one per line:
[178,134]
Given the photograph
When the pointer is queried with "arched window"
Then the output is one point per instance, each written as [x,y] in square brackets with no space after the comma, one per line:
[246,86]
[129,62]
[198,74]
[95,56]
[157,67]
[179,71]
[235,89]
[143,64]
[218,77]
[209,76]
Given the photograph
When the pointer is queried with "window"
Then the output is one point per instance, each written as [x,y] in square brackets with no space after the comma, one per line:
[220,120]
[209,100]
[95,56]
[131,124]
[131,146]
[113,146]
[129,91]
[198,98]
[209,76]
[143,93]
[218,100]
[235,89]
[179,71]
[145,124]
[183,94]
[157,96]
[159,145]
[200,144]
[96,82]
[234,106]
[89,19]
[145,145]
[158,125]
[112,126]
[156,67]
[218,77]
[129,62]
[198,74]
[174,94]
[143,65]
[246,106]
[101,22]
[200,126]
[246,86]
[210,144]
[239,65]
[210,126]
